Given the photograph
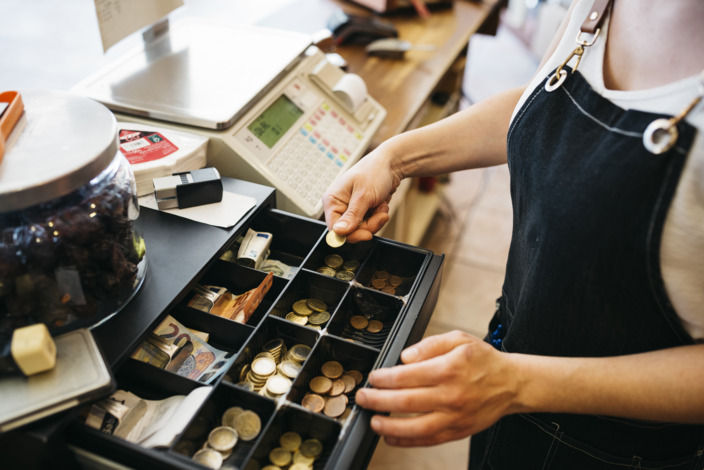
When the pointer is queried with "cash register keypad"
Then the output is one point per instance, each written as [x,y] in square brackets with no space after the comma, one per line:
[318,151]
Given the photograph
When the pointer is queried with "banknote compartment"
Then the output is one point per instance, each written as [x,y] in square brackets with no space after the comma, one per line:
[210,416]
[225,335]
[149,384]
[293,237]
[307,425]
[238,280]
[272,328]
[349,252]
[371,305]
[396,259]
[350,355]
[309,285]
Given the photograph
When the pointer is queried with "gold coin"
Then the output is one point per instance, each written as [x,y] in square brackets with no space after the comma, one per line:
[335,406]
[263,366]
[358,322]
[378,283]
[332,369]
[313,402]
[356,375]
[381,275]
[299,352]
[299,458]
[280,457]
[395,281]
[290,441]
[320,385]
[350,265]
[327,270]
[229,416]
[209,458]
[314,327]
[338,387]
[301,307]
[222,438]
[334,261]
[375,326]
[317,305]
[389,290]
[312,448]
[335,240]
[319,318]
[289,368]
[274,345]
[349,381]
[248,425]
[300,466]
[345,275]
[278,384]
[295,318]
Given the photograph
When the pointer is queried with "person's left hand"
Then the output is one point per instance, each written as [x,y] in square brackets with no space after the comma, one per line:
[459,384]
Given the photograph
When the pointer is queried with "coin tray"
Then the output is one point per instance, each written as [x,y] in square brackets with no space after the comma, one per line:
[293,237]
[308,425]
[351,356]
[210,416]
[348,251]
[309,285]
[271,328]
[238,280]
[403,261]
[372,305]
[300,242]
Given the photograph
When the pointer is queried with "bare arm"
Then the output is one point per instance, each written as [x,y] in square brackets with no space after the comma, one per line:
[475,137]
[460,385]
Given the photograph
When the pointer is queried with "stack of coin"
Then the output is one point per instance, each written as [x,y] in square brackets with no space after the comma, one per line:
[385,282]
[272,371]
[237,424]
[294,453]
[312,313]
[336,266]
[329,392]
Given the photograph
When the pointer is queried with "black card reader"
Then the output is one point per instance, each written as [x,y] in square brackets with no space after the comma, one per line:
[188,189]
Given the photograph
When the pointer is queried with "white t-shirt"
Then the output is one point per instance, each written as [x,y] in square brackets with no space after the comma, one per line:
[682,250]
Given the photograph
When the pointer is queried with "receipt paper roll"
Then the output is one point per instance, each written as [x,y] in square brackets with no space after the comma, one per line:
[351,90]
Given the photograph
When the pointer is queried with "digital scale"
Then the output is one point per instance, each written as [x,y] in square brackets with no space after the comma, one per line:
[276,112]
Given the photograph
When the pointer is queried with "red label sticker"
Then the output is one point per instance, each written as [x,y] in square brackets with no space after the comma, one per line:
[144,146]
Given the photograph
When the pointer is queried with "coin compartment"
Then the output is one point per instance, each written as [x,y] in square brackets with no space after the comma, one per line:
[396,259]
[371,305]
[293,237]
[349,251]
[308,425]
[350,355]
[210,416]
[238,280]
[308,285]
[271,328]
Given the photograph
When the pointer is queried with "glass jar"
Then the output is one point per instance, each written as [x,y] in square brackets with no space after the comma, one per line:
[71,246]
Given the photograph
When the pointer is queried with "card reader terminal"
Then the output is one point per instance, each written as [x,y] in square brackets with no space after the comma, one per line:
[276,112]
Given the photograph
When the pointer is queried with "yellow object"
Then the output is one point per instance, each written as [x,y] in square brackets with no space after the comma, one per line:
[33,349]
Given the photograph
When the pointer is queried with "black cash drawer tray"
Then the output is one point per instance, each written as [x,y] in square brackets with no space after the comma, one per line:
[299,242]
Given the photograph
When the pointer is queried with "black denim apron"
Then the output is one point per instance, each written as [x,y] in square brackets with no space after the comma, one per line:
[583,276]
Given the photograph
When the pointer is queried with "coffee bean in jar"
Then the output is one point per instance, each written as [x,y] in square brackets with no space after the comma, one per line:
[71,248]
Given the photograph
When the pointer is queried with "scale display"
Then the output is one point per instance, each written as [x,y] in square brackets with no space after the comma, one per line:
[275,121]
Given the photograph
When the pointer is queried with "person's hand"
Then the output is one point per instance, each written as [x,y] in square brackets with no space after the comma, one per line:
[357,203]
[458,384]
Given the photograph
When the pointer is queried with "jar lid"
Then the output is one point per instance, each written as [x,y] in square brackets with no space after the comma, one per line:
[61,142]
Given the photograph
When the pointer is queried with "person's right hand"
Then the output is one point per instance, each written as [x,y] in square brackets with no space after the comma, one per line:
[357,203]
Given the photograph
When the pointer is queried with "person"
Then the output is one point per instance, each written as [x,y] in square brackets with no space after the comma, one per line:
[595,356]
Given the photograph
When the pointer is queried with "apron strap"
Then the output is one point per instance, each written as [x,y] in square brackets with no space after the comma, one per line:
[593,21]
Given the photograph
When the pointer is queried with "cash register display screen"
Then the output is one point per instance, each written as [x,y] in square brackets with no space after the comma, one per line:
[273,123]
